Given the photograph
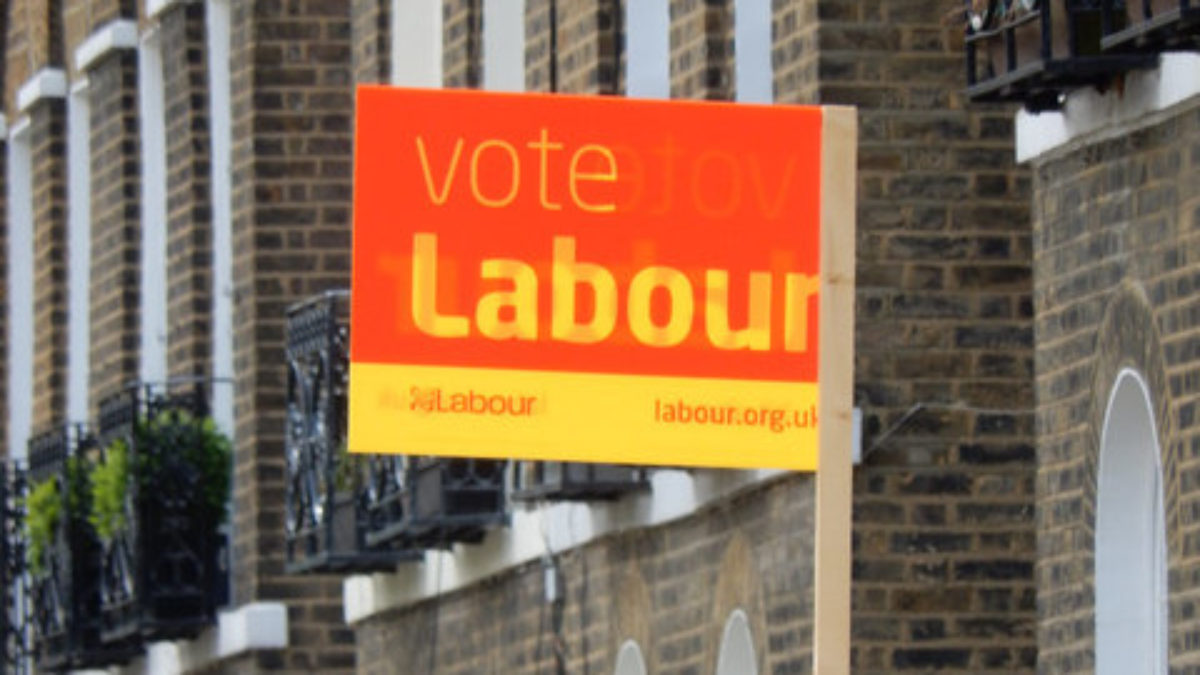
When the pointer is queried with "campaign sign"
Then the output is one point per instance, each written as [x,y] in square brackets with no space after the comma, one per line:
[599,279]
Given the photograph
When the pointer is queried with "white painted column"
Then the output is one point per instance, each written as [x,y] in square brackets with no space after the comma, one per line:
[647,49]
[152,129]
[753,73]
[221,132]
[79,251]
[417,43]
[504,45]
[20,289]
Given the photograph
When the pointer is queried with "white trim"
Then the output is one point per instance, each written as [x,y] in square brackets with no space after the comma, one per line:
[541,529]
[249,628]
[504,45]
[46,83]
[1131,597]
[630,660]
[152,365]
[417,43]
[752,43]
[79,251]
[156,7]
[217,17]
[736,655]
[21,336]
[116,34]
[648,49]
[3,127]
[1089,116]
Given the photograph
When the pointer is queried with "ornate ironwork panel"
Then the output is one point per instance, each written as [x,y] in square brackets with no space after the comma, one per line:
[328,490]
[1151,25]
[576,481]
[65,582]
[16,654]
[434,502]
[1033,51]
[162,571]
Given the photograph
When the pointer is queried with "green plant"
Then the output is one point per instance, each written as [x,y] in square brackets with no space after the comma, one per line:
[110,478]
[44,511]
[43,508]
[185,440]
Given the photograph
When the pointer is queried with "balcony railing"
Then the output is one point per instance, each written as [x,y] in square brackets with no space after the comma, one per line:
[576,482]
[1033,51]
[433,502]
[66,570]
[163,572]
[328,491]
[16,656]
[1151,25]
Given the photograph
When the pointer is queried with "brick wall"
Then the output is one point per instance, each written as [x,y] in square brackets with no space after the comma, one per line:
[794,52]
[47,136]
[372,40]
[116,232]
[581,55]
[702,49]
[462,41]
[1115,255]
[943,519]
[189,190]
[671,588]
[291,161]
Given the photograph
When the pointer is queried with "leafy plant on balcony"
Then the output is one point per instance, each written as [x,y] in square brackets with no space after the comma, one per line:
[110,477]
[192,442]
[44,512]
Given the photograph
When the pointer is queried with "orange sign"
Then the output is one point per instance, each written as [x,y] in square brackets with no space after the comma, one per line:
[592,279]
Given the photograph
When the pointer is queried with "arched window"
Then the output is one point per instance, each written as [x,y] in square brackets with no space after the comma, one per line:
[737,647]
[1131,550]
[629,660]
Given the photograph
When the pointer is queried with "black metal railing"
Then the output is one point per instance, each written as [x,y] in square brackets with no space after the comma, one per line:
[16,655]
[434,502]
[65,573]
[1151,25]
[1034,51]
[328,490]
[164,573]
[575,481]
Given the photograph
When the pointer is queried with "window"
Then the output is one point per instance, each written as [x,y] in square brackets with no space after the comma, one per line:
[648,49]
[1131,551]
[629,660]
[20,289]
[737,647]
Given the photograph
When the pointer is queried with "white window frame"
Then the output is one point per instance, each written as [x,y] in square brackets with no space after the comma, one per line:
[417,43]
[737,655]
[219,31]
[648,49]
[1131,551]
[152,365]
[79,250]
[753,72]
[630,660]
[504,45]
[20,289]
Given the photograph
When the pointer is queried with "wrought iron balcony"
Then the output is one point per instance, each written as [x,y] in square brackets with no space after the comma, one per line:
[162,568]
[433,502]
[16,656]
[576,482]
[65,572]
[1033,51]
[328,496]
[1151,25]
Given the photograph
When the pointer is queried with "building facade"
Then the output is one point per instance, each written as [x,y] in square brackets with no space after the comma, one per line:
[178,183]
